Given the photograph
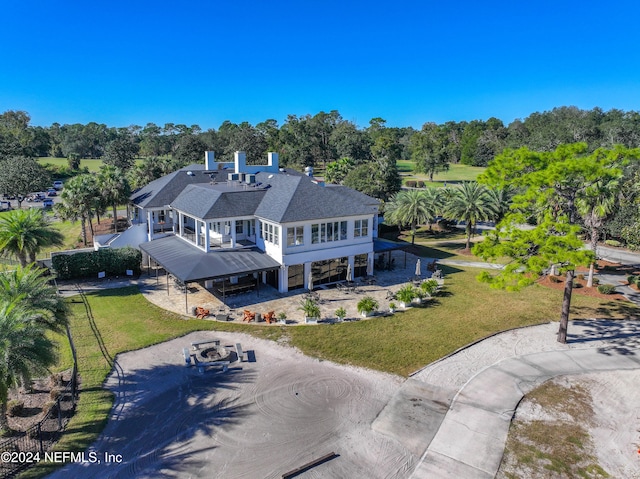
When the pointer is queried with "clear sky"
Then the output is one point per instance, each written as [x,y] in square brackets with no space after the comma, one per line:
[206,61]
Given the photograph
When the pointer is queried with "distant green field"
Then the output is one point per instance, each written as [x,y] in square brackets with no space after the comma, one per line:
[91,165]
[456,173]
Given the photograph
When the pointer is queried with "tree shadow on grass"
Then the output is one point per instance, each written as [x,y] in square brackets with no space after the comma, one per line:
[157,413]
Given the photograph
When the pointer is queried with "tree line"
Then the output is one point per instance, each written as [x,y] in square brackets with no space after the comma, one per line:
[325,137]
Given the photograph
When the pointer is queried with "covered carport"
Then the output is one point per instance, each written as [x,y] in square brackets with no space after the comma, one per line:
[190,264]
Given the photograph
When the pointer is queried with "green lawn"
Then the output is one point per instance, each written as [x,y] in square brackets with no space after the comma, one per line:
[91,164]
[455,174]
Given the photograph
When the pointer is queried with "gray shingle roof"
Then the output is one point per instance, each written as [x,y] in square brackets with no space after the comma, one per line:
[279,197]
[218,201]
[297,198]
[163,191]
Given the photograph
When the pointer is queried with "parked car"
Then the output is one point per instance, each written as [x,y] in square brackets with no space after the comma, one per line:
[52,192]
[48,203]
[57,185]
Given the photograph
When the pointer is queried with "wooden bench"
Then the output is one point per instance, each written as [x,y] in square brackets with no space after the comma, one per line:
[196,344]
[239,352]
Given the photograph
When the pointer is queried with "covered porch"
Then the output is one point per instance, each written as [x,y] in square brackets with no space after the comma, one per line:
[219,269]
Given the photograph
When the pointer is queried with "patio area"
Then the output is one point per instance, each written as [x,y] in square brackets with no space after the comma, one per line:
[267,299]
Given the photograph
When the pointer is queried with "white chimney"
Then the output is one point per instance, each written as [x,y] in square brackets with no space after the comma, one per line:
[209,160]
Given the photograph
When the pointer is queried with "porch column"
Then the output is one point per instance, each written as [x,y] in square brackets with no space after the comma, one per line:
[207,234]
[307,270]
[149,225]
[180,225]
[283,279]
[233,233]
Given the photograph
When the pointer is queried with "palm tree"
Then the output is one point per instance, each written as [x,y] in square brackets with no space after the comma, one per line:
[23,233]
[78,197]
[500,201]
[410,207]
[114,188]
[25,351]
[30,286]
[597,203]
[469,203]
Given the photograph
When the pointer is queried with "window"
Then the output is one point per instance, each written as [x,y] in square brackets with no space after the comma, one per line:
[295,236]
[327,232]
[270,233]
[361,228]
[239,227]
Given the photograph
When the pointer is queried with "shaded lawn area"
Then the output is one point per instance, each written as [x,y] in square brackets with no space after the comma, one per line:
[456,173]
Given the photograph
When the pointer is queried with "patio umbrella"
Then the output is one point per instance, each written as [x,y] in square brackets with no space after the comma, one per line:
[349,274]
[310,281]
[418,268]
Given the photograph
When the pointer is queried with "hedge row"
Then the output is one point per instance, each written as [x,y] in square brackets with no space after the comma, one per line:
[114,262]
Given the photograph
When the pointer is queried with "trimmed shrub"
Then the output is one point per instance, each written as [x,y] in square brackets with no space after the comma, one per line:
[15,408]
[632,278]
[411,183]
[554,279]
[580,276]
[420,184]
[577,285]
[611,242]
[596,281]
[114,262]
[606,289]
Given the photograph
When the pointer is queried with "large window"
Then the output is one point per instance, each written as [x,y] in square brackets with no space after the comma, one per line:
[271,233]
[329,271]
[361,228]
[295,236]
[327,232]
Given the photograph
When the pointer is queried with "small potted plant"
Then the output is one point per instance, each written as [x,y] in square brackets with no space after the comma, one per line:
[341,313]
[430,287]
[418,295]
[311,310]
[405,295]
[282,318]
[392,307]
[367,305]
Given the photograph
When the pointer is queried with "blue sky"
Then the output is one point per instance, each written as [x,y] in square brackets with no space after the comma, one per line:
[409,62]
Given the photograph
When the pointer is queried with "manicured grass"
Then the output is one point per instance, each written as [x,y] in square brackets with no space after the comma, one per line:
[91,164]
[467,311]
[455,174]
[120,320]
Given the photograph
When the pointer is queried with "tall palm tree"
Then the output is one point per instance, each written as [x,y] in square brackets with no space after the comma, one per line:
[25,351]
[114,188]
[470,203]
[30,286]
[23,234]
[78,196]
[500,201]
[595,206]
[409,207]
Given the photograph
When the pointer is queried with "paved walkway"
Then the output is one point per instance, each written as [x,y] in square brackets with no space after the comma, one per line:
[491,377]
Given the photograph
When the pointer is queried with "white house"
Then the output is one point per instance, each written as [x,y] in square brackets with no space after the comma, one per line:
[236,221]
